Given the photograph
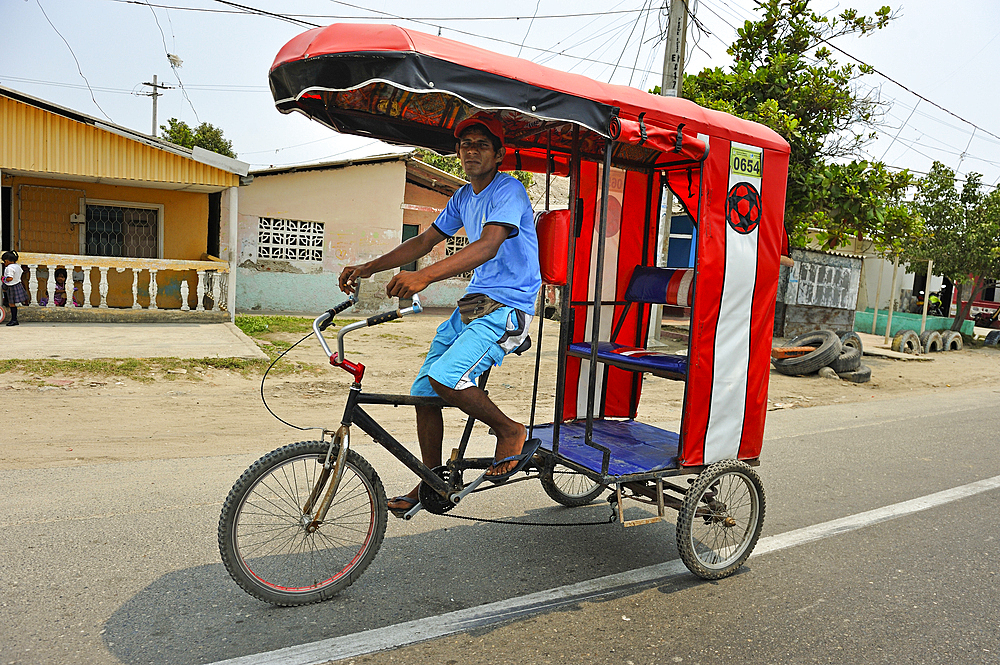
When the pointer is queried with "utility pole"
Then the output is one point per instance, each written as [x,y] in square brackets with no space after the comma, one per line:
[673,77]
[156,93]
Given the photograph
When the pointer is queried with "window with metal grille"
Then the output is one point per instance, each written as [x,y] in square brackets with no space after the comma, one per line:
[452,245]
[122,230]
[289,240]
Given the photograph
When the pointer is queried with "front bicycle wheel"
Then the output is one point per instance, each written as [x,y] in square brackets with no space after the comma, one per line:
[265,538]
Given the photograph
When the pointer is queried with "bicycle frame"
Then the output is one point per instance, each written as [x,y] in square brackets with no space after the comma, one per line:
[452,491]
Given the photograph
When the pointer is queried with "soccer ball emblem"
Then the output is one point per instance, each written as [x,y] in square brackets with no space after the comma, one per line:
[743,207]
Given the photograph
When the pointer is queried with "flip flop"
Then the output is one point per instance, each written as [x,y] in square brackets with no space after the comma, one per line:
[400,512]
[528,451]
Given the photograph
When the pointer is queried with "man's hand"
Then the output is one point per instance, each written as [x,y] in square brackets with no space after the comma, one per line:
[405,283]
[350,275]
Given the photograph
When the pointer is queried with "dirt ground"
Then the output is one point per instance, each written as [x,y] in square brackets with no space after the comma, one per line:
[70,420]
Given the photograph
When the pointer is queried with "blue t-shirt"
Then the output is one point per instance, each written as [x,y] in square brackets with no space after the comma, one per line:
[512,277]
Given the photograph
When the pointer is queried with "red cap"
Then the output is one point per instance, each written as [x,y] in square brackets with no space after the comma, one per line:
[487,120]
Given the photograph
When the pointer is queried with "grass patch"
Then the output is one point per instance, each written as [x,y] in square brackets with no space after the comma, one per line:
[258,325]
[147,370]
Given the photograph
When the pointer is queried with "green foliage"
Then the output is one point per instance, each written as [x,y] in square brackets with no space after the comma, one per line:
[962,230]
[783,77]
[205,136]
[450,164]
[255,326]
[862,200]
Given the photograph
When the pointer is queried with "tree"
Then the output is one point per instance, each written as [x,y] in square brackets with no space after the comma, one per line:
[450,164]
[205,136]
[962,232]
[785,78]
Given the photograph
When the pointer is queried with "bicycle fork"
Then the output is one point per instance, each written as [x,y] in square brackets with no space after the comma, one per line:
[335,469]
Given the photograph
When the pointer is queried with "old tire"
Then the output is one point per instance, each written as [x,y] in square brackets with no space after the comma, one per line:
[992,338]
[930,341]
[863,374]
[720,520]
[907,341]
[951,340]
[827,350]
[848,360]
[852,339]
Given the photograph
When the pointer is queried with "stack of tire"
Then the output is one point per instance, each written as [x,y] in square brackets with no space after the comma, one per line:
[929,341]
[992,338]
[841,352]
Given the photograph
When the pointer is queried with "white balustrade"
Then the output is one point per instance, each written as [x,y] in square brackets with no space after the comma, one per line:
[85,296]
[135,290]
[33,283]
[152,289]
[201,291]
[212,280]
[50,288]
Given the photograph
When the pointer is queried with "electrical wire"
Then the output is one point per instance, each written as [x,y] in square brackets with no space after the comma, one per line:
[78,67]
[635,24]
[361,17]
[530,23]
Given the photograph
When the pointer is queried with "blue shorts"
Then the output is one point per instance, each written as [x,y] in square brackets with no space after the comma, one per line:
[460,352]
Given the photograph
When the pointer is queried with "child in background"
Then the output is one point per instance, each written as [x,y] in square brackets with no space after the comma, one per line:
[60,294]
[13,289]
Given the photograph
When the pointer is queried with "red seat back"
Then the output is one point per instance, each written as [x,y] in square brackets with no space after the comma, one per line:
[553,228]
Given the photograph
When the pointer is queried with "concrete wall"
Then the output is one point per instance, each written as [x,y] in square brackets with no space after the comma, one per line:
[184,234]
[361,208]
[447,292]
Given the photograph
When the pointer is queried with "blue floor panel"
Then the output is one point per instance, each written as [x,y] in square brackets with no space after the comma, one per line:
[635,447]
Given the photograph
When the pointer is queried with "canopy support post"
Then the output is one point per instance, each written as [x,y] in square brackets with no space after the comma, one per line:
[595,331]
[565,311]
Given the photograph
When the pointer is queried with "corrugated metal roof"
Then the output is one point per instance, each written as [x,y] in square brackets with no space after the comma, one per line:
[40,138]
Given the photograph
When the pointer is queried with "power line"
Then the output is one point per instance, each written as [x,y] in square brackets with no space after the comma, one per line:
[175,64]
[360,17]
[78,68]
[912,92]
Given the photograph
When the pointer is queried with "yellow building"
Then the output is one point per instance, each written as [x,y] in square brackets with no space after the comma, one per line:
[140,223]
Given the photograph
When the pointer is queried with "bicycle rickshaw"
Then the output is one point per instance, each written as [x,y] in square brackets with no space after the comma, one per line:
[304,521]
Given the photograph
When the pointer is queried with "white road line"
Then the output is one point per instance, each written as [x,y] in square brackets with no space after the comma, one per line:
[419,630]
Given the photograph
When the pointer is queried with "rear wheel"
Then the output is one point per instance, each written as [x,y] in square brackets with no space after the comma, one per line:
[568,487]
[720,521]
[266,540]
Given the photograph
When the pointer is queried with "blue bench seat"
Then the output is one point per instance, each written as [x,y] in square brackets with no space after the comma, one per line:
[666,365]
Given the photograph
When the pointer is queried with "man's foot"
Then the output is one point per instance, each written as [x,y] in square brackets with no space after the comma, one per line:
[507,447]
[520,462]
[400,505]
[13,323]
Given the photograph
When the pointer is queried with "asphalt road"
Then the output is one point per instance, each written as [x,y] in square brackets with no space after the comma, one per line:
[117,563]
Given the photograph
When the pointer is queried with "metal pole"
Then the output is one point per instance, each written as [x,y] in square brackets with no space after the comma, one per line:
[566,311]
[927,293]
[595,329]
[892,297]
[670,86]
[878,292]
[156,93]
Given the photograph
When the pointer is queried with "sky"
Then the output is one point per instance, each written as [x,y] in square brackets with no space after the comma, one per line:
[93,56]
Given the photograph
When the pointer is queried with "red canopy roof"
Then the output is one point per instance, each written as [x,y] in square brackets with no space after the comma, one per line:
[408,87]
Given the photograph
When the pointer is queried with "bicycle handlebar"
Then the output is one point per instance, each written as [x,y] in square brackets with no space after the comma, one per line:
[323,321]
